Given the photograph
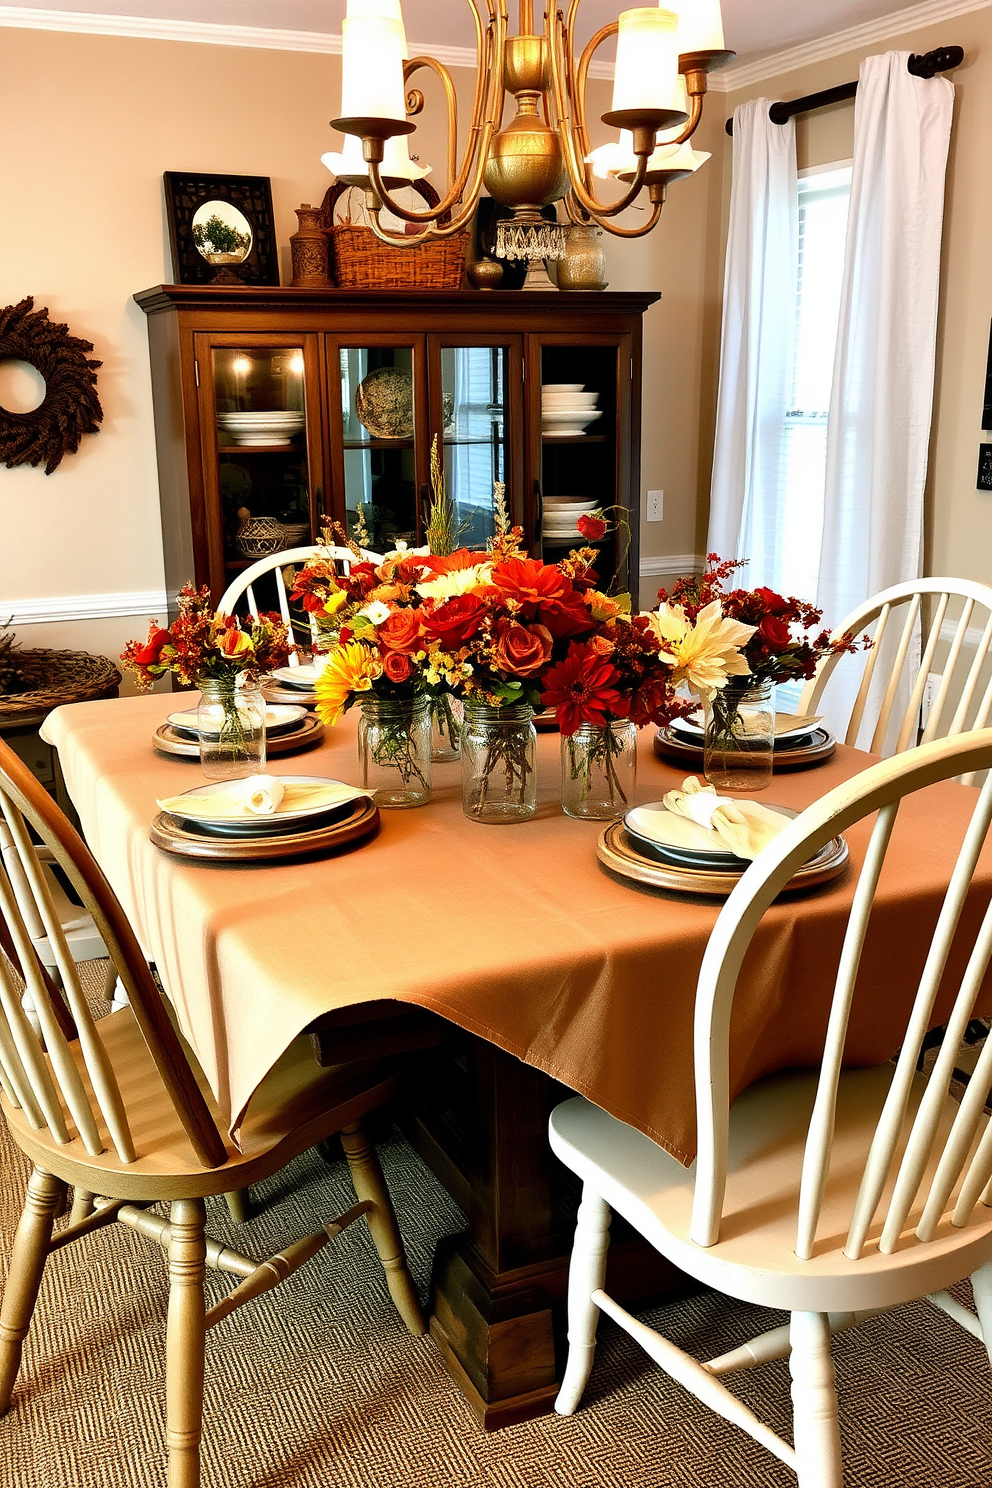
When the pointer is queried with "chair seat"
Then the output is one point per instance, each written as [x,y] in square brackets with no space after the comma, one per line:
[755,1257]
[297,1105]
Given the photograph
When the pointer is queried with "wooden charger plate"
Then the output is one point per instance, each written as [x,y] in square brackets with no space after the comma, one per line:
[272,692]
[172,837]
[168,740]
[668,747]
[617,851]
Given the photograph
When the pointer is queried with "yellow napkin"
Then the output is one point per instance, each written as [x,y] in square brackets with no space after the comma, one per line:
[259,795]
[744,827]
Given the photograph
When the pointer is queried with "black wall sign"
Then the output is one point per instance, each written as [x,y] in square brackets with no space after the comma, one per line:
[985,467]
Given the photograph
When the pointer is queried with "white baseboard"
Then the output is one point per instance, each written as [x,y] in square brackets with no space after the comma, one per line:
[672,567]
[151,603]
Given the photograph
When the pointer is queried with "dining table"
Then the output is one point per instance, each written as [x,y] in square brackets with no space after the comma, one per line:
[510,967]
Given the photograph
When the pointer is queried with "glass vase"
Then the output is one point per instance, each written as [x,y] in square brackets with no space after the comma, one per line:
[394,747]
[739,742]
[447,713]
[498,751]
[230,721]
[599,770]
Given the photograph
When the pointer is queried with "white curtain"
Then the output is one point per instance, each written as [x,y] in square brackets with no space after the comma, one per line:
[879,426]
[756,356]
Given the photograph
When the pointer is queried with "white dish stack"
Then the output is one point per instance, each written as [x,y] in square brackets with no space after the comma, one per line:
[561,514]
[567,410]
[261,428]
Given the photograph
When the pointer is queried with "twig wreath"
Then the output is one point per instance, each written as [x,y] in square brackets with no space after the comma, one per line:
[70,407]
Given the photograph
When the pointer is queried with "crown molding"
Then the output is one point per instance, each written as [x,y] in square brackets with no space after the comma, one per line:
[64,608]
[854,39]
[203,33]
[674,567]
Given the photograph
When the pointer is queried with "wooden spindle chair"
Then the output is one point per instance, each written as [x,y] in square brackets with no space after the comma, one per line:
[117,1108]
[960,702]
[274,563]
[834,1195]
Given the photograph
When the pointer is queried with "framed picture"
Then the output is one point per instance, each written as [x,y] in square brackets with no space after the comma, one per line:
[221,229]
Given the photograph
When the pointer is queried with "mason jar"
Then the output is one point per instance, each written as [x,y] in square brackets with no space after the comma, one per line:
[499,754]
[447,713]
[394,747]
[739,740]
[599,770]
[230,721]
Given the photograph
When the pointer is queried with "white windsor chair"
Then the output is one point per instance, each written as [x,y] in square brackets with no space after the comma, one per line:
[117,1108]
[274,563]
[956,705]
[780,1207]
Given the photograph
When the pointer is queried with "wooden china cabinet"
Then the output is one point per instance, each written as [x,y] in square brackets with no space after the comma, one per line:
[475,361]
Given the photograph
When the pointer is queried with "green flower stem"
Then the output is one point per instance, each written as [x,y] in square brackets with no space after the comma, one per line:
[604,750]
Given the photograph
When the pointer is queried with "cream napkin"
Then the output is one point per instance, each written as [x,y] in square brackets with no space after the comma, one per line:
[259,795]
[745,827]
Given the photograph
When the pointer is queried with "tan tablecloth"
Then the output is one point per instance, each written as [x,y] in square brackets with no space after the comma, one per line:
[514,933]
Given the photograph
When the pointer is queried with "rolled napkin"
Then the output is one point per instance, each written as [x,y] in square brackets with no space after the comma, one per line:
[259,795]
[745,827]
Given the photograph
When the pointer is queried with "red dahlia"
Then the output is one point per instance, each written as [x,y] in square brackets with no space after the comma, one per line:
[582,689]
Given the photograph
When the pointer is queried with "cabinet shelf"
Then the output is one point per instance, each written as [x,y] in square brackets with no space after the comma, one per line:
[377,444]
[261,449]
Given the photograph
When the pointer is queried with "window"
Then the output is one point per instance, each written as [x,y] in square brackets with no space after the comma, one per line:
[824,198]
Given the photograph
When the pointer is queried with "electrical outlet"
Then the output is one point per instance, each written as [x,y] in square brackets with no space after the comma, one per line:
[656,506]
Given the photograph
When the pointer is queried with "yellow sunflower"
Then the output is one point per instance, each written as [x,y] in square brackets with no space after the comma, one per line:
[349,668]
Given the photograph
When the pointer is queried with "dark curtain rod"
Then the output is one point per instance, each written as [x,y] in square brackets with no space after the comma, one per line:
[926,66]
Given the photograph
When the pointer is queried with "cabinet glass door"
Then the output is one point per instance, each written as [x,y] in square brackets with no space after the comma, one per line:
[259,398]
[378,412]
[581,456]
[474,388]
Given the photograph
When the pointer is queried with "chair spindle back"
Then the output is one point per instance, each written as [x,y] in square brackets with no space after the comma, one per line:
[889,1161]
[46,1088]
[274,563]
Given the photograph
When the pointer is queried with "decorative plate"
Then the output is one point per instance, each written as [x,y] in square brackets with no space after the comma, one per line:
[618,852]
[677,749]
[384,403]
[183,745]
[171,836]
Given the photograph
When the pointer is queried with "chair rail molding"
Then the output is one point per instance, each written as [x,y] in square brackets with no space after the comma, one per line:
[672,567]
[64,607]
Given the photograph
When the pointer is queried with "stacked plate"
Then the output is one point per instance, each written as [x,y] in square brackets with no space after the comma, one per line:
[301,679]
[261,428]
[790,732]
[567,410]
[671,838]
[561,513]
[279,719]
[215,823]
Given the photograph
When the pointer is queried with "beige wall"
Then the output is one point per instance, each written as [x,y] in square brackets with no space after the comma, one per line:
[959,518]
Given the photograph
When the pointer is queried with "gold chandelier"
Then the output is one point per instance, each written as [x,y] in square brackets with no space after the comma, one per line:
[664,55]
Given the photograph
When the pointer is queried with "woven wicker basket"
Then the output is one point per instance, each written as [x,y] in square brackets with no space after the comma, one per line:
[359,260]
[57,677]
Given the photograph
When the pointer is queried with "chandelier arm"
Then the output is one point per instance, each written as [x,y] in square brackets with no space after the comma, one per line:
[576,168]
[695,115]
[487,110]
[631,232]
[410,240]
[451,101]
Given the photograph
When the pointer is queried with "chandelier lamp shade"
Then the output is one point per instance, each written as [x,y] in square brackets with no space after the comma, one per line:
[542,155]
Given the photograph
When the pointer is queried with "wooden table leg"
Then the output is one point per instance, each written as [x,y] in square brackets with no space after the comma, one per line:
[479,1119]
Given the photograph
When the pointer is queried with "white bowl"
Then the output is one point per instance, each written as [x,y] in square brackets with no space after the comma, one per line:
[275,416]
[569,423]
[562,387]
[576,400]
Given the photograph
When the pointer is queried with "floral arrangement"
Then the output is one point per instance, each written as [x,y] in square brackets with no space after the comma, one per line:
[774,652]
[202,645]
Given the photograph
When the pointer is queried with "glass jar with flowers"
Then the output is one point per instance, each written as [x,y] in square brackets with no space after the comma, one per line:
[224,656]
[783,643]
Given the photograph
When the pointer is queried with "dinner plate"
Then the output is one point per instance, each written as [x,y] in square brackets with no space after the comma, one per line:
[278,719]
[693,725]
[621,854]
[284,818]
[303,677]
[666,835]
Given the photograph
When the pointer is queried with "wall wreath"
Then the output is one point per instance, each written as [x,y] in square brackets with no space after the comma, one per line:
[70,407]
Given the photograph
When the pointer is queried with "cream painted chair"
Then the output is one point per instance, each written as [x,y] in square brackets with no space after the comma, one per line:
[961,619]
[274,563]
[834,1195]
[118,1109]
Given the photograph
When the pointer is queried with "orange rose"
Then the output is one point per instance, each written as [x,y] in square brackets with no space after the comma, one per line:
[522,650]
[401,632]
[235,643]
[397,666]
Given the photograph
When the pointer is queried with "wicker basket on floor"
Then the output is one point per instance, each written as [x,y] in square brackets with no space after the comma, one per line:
[52,678]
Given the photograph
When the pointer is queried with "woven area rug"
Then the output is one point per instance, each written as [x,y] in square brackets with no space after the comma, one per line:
[319,1385]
